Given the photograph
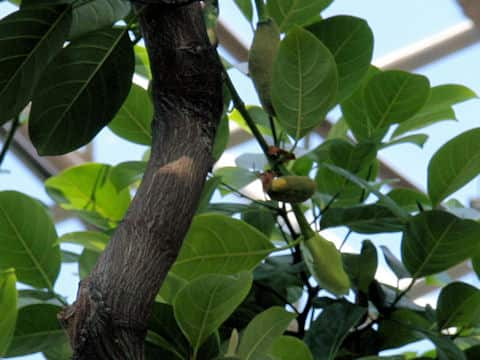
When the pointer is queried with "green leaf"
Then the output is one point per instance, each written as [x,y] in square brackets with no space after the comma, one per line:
[8,308]
[95,78]
[394,96]
[446,348]
[288,13]
[91,240]
[409,199]
[437,108]
[206,302]
[386,201]
[400,328]
[87,261]
[246,8]
[37,330]
[259,117]
[170,287]
[290,348]
[142,62]
[260,218]
[236,177]
[29,40]
[421,120]
[88,16]
[94,15]
[216,244]
[163,323]
[435,241]
[127,173]
[350,40]
[260,333]
[261,58]
[305,82]
[454,165]
[208,190]
[28,241]
[328,331]
[221,138]
[133,120]
[355,112]
[29,297]
[458,306]
[365,219]
[417,139]
[361,268]
[395,264]
[88,188]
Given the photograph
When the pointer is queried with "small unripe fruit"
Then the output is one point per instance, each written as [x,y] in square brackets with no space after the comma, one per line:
[293,189]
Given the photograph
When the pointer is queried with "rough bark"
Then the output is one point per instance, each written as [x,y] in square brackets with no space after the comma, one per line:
[108,320]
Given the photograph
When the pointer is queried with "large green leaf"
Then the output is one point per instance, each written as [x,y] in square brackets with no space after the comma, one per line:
[29,40]
[261,58]
[163,323]
[288,13]
[304,84]
[91,240]
[88,188]
[350,40]
[366,219]
[8,308]
[127,173]
[400,328]
[394,96]
[37,330]
[81,91]
[454,165]
[386,201]
[133,120]
[361,268]
[236,177]
[28,240]
[436,240]
[355,112]
[458,306]
[290,348]
[89,15]
[217,244]
[206,302]
[437,108]
[328,331]
[94,15]
[260,333]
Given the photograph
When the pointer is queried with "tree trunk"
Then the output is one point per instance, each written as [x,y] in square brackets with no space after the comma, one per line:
[109,318]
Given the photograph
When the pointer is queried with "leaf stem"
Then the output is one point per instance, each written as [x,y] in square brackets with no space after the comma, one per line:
[8,140]
[403,293]
[242,195]
[240,106]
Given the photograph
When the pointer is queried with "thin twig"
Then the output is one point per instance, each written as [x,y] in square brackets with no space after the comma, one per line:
[8,140]
[242,195]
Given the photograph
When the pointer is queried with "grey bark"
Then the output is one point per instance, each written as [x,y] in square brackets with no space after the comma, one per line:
[108,319]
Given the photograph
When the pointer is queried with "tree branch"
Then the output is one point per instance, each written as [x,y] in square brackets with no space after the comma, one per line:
[108,320]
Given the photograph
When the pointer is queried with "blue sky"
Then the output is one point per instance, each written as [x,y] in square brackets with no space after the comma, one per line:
[395,24]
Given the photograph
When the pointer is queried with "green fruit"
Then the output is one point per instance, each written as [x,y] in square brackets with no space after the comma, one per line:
[325,263]
[260,63]
[293,189]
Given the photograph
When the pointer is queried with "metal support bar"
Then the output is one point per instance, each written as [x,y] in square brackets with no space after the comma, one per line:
[431,49]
